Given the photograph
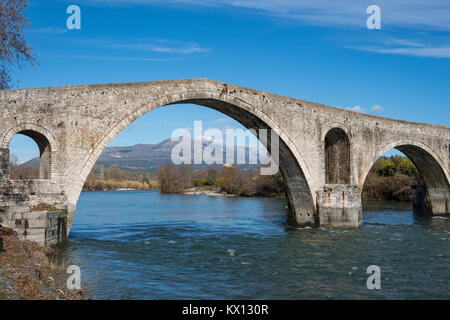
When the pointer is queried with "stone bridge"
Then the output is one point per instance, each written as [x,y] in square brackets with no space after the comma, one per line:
[326,153]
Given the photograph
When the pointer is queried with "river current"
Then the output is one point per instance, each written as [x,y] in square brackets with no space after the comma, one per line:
[148,245]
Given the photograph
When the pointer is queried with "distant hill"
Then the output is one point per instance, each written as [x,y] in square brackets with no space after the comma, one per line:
[34,163]
[149,157]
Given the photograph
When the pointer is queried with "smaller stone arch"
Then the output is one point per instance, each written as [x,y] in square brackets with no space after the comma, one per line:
[337,157]
[435,199]
[44,140]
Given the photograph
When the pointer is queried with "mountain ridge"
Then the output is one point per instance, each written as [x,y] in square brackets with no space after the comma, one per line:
[149,157]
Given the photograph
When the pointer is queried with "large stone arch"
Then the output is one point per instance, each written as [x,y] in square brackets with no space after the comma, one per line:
[430,166]
[301,203]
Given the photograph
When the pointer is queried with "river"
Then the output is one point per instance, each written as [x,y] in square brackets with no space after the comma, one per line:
[148,245]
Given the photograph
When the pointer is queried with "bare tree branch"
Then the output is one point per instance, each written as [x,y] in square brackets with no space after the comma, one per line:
[14,50]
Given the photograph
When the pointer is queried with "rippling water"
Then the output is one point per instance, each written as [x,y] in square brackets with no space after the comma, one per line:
[147,245]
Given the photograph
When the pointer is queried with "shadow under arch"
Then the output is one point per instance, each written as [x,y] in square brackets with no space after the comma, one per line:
[337,157]
[299,198]
[435,199]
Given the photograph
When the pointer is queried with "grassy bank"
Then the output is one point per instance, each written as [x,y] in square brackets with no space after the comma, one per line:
[27,271]
[105,185]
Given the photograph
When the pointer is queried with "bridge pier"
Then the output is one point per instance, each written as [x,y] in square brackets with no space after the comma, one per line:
[339,206]
[33,208]
[34,217]
[432,203]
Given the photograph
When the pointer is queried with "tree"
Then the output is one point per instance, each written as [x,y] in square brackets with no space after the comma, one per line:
[235,180]
[101,174]
[212,176]
[14,50]
[18,172]
[114,173]
[396,165]
[169,179]
[185,173]
[147,178]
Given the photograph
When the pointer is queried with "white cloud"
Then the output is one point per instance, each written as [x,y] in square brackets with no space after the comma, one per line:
[376,109]
[139,49]
[423,18]
[425,51]
[161,46]
[415,14]
[357,109]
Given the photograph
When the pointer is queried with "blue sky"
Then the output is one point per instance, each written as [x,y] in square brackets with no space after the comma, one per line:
[316,50]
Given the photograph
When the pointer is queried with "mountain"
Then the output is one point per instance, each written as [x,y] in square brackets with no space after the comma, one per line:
[149,157]
[34,163]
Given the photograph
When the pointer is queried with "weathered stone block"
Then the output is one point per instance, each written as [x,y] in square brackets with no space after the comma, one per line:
[39,238]
[339,206]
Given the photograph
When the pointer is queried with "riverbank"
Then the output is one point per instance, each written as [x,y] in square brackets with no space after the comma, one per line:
[26,271]
[376,188]
[109,185]
[390,179]
[395,188]
[213,192]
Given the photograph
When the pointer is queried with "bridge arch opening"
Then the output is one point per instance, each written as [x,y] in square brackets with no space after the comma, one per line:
[411,173]
[300,204]
[37,163]
[337,157]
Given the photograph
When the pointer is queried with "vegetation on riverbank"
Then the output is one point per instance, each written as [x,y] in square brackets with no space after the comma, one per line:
[114,178]
[110,184]
[18,172]
[228,180]
[27,267]
[392,179]
[177,179]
